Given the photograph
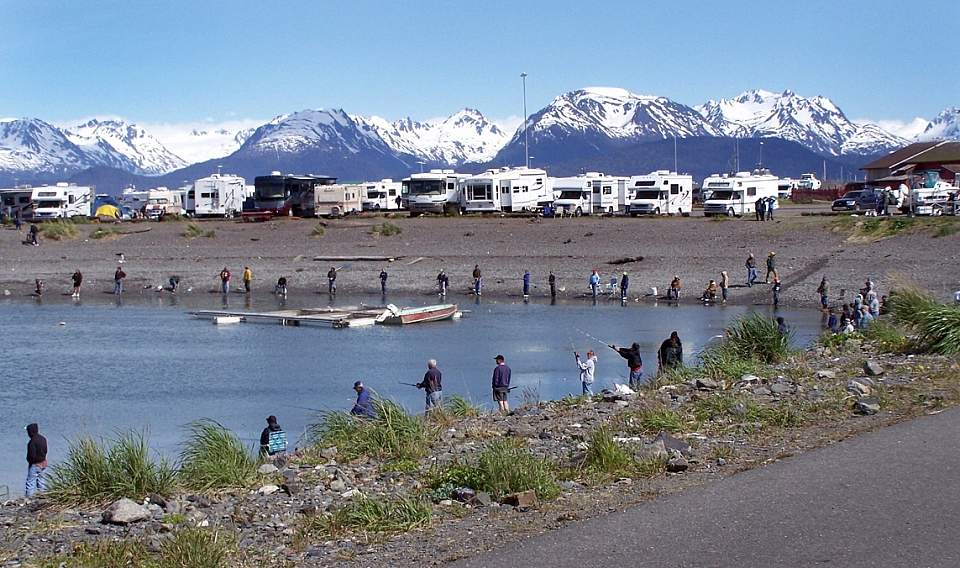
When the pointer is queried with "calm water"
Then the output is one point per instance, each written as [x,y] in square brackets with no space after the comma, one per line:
[113,368]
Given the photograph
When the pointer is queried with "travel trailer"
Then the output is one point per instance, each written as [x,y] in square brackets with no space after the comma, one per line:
[808,182]
[17,199]
[589,193]
[507,190]
[436,191]
[162,201]
[737,194]
[285,195]
[785,188]
[217,195]
[383,195]
[338,199]
[62,201]
[660,193]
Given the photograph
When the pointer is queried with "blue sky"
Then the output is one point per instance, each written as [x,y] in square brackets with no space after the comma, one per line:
[202,60]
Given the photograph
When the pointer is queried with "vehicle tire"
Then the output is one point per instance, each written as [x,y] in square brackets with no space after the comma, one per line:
[682,214]
[731,212]
[656,211]
[579,212]
[376,207]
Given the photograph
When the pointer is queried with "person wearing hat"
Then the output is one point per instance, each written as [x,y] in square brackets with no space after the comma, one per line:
[771,267]
[624,285]
[273,439]
[501,384]
[364,405]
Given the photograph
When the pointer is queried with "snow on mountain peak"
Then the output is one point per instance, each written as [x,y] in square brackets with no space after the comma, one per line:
[144,152]
[945,125]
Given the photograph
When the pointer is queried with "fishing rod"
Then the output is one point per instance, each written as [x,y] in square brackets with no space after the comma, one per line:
[597,339]
[410,385]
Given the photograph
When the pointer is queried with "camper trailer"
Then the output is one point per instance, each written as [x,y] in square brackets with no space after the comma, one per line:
[589,193]
[436,191]
[808,182]
[217,196]
[17,200]
[285,195]
[785,188]
[507,190]
[162,201]
[737,194]
[338,199]
[62,201]
[383,195]
[661,193]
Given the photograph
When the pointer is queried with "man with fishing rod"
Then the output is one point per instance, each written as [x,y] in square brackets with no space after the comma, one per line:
[432,385]
[634,362]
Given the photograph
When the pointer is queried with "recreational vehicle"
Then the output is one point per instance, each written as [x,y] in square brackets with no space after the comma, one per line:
[62,201]
[338,199]
[162,201]
[383,195]
[217,195]
[736,195]
[507,190]
[436,191]
[285,195]
[785,188]
[808,182]
[588,193]
[17,200]
[661,193]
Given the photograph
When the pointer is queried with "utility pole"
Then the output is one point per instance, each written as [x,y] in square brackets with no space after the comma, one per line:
[761,154]
[526,143]
[675,169]
[738,154]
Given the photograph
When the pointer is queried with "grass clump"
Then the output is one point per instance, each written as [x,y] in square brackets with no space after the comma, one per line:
[393,434]
[886,336]
[386,229]
[187,548]
[103,232]
[654,420]
[606,457]
[945,228]
[461,407]
[504,467]
[95,472]
[367,515]
[193,231]
[936,325]
[60,230]
[318,231]
[750,341]
[214,458]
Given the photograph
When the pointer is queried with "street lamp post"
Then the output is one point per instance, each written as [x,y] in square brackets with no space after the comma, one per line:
[526,143]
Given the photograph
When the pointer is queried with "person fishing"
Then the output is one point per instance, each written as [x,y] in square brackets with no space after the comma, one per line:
[477,280]
[38,287]
[364,405]
[432,385]
[332,280]
[383,280]
[824,291]
[673,292]
[501,384]
[634,362]
[118,277]
[34,235]
[281,288]
[624,285]
[552,280]
[587,370]
[443,281]
[670,354]
[36,461]
[77,282]
[247,278]
[751,265]
[273,440]
[771,266]
[526,284]
[225,280]
[777,286]
[724,286]
[594,282]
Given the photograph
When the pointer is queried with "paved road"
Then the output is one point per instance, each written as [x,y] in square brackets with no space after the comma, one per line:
[886,498]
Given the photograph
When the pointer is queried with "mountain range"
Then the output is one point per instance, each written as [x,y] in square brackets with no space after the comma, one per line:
[578,130]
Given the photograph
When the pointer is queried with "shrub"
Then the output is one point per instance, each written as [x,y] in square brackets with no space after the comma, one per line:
[654,420]
[886,336]
[213,457]
[461,407]
[386,229]
[103,232]
[193,231]
[605,456]
[393,434]
[368,515]
[197,548]
[94,472]
[318,231]
[58,230]
[936,325]
[504,467]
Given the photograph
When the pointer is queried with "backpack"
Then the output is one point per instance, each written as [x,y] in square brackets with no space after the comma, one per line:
[277,442]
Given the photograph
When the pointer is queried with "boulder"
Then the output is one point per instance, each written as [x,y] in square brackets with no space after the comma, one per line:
[826,375]
[292,488]
[781,388]
[125,511]
[521,500]
[872,368]
[482,499]
[762,391]
[671,443]
[858,388]
[464,495]
[338,485]
[329,453]
[267,469]
[751,379]
[677,464]
[268,489]
[706,384]
[867,406]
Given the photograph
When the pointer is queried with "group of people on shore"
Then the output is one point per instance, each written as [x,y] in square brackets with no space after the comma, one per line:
[849,317]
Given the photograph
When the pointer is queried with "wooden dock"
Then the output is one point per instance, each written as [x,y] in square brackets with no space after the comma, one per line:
[331,317]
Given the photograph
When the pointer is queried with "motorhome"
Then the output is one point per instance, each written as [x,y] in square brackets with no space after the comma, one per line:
[737,194]
[507,190]
[285,195]
[17,200]
[808,182]
[217,195]
[588,193]
[436,191]
[62,201]
[383,195]
[785,188]
[162,201]
[660,193]
[337,200]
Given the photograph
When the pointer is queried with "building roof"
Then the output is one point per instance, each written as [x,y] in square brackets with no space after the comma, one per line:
[944,152]
[897,157]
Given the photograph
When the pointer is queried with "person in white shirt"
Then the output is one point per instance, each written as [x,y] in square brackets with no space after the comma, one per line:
[587,369]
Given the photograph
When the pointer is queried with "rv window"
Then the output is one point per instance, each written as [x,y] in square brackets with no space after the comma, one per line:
[539,181]
[751,191]
[525,189]
[738,195]
[665,182]
[647,194]
[645,183]
[450,185]
[206,195]
[608,190]
[47,194]
[674,189]
[393,192]
[72,199]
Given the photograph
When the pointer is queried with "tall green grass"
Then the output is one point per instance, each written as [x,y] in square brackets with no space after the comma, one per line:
[750,341]
[193,230]
[606,457]
[386,229]
[461,407]
[213,458]
[381,515]
[59,230]
[186,548]
[393,434]
[504,467]
[936,325]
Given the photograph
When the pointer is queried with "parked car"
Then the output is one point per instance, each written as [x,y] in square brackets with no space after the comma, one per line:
[858,200]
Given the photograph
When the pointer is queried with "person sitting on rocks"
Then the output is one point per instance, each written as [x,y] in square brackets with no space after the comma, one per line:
[710,293]
[673,293]
[273,440]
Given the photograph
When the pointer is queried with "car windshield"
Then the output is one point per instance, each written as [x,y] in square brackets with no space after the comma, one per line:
[722,195]
[853,195]
[571,194]
[647,194]
[425,186]
[269,190]
[49,204]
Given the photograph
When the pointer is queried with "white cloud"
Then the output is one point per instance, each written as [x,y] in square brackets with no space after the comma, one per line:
[905,129]
[202,140]
[508,124]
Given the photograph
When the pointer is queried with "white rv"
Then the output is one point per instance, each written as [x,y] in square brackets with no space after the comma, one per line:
[507,190]
[162,201]
[62,201]
[383,195]
[338,199]
[808,182]
[17,199]
[661,193]
[436,191]
[736,195]
[785,188]
[218,195]
[589,193]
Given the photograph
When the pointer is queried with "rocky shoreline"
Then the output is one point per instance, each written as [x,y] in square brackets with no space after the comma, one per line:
[693,428]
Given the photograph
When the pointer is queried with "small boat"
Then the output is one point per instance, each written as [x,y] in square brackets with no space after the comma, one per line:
[403,316]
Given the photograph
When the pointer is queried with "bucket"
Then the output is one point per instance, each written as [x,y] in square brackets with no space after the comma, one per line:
[653,290]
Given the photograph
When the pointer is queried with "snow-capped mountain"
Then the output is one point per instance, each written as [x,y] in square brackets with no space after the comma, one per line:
[815,122]
[465,136]
[106,137]
[329,130]
[30,147]
[946,125]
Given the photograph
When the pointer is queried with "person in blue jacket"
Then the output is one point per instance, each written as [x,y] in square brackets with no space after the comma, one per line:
[364,404]
[594,283]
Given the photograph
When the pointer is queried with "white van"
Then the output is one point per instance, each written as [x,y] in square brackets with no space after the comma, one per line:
[218,196]
[62,201]
[661,193]
[737,195]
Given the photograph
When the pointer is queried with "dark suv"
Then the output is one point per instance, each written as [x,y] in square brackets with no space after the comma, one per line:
[857,200]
